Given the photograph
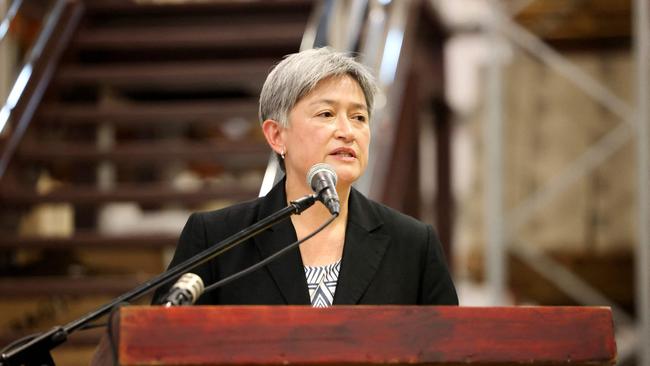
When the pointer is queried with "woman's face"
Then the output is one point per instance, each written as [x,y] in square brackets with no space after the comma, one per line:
[329,125]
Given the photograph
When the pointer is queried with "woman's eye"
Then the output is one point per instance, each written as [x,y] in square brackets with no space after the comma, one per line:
[360,118]
[326,114]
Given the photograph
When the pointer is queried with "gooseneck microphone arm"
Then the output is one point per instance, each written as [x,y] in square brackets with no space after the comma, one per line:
[36,351]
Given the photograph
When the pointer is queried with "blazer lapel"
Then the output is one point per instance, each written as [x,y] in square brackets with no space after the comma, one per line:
[362,252]
[287,271]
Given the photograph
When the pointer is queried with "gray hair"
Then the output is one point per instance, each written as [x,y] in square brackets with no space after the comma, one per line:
[297,75]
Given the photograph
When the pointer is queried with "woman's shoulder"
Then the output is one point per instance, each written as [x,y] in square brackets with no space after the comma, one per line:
[241,212]
[407,236]
[247,212]
[387,218]
[391,215]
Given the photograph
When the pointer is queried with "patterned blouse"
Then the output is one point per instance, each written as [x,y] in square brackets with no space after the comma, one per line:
[321,282]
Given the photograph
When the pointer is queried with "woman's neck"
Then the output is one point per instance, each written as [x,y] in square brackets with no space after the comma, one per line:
[317,214]
[325,247]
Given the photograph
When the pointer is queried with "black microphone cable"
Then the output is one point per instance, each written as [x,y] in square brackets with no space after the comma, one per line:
[270,258]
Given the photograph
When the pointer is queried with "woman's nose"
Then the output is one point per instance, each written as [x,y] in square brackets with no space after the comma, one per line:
[344,128]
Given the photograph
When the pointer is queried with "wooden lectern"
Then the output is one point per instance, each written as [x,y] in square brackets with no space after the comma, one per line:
[364,335]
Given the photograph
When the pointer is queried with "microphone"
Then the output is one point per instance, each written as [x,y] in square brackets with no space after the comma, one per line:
[185,291]
[322,180]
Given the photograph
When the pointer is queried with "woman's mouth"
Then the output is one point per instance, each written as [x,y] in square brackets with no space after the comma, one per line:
[344,153]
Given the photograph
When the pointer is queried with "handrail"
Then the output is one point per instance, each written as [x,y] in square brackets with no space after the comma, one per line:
[382,52]
[316,18]
[26,71]
[30,85]
[9,17]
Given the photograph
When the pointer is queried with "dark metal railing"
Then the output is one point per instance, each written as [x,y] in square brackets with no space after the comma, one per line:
[35,74]
[8,18]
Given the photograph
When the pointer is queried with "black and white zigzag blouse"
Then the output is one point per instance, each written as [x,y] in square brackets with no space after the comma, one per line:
[321,282]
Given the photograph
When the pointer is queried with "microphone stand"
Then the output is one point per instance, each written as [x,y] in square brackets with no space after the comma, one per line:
[36,352]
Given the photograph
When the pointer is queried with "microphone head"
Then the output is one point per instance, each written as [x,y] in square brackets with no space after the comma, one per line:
[192,283]
[314,173]
[322,180]
[185,291]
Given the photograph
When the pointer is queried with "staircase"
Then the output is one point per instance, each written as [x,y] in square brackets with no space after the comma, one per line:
[151,114]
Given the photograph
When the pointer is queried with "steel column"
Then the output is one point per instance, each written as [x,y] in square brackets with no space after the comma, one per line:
[496,250]
[642,53]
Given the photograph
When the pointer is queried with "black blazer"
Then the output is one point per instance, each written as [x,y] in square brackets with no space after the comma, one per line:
[388,257]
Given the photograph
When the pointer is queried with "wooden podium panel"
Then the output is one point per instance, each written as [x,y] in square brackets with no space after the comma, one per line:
[364,335]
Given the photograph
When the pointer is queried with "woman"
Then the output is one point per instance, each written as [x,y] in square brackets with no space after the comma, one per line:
[315,107]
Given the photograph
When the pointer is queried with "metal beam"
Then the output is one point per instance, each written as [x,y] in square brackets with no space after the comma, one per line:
[594,156]
[642,53]
[496,265]
[589,160]
[567,281]
[560,64]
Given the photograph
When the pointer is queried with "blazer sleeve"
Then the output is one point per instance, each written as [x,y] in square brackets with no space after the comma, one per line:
[191,242]
[437,286]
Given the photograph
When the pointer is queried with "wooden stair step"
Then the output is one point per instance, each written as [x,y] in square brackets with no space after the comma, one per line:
[248,74]
[227,153]
[152,195]
[89,240]
[176,37]
[149,113]
[21,287]
[121,7]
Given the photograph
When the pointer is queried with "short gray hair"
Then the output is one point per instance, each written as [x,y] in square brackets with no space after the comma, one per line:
[297,75]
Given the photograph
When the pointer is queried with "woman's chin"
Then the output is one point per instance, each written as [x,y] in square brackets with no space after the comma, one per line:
[346,177]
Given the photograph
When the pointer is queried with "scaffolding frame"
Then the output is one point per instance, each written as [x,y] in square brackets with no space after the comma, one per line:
[642,54]
[500,226]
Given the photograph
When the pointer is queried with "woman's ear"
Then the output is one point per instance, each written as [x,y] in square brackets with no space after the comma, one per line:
[273,134]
